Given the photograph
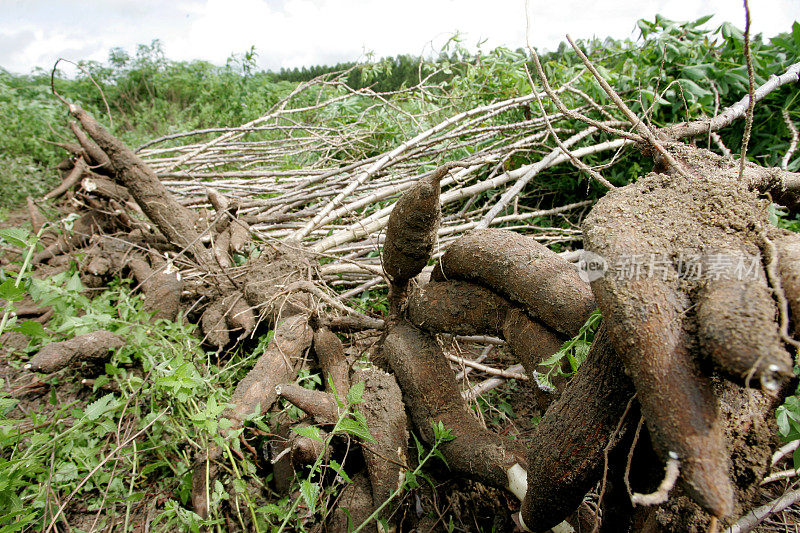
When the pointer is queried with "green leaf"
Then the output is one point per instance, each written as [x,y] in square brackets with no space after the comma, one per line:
[7,404]
[702,20]
[30,328]
[10,292]
[74,284]
[339,470]
[332,388]
[134,497]
[239,486]
[355,428]
[15,236]
[356,393]
[310,493]
[312,432]
[420,447]
[796,34]
[692,88]
[697,72]
[558,356]
[99,407]
[441,433]
[155,465]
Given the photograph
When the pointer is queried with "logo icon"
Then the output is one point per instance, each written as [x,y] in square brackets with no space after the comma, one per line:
[591,266]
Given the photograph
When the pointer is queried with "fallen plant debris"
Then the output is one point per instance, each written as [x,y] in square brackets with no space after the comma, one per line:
[336,396]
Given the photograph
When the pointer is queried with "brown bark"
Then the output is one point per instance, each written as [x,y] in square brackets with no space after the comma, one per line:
[749,429]
[88,224]
[240,236]
[214,325]
[386,419]
[788,248]
[35,215]
[320,405]
[676,397]
[162,290]
[97,157]
[177,223]
[355,504]
[412,228]
[74,176]
[98,185]
[464,308]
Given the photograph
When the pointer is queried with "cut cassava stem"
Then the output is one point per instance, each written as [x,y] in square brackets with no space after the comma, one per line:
[523,271]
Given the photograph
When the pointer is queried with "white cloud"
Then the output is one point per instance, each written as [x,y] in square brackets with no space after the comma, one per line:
[293,33]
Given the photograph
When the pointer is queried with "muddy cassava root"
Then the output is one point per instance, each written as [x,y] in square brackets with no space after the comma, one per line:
[257,390]
[523,271]
[430,392]
[566,452]
[464,308]
[412,227]
[92,348]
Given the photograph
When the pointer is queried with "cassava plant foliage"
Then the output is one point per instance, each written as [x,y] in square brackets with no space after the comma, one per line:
[482,290]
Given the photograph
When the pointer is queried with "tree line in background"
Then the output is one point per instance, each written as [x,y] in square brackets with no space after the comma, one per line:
[674,69]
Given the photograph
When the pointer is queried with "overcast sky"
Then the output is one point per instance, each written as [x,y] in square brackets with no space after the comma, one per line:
[294,33]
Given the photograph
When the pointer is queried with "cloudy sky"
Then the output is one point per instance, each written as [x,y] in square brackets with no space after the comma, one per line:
[294,33]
